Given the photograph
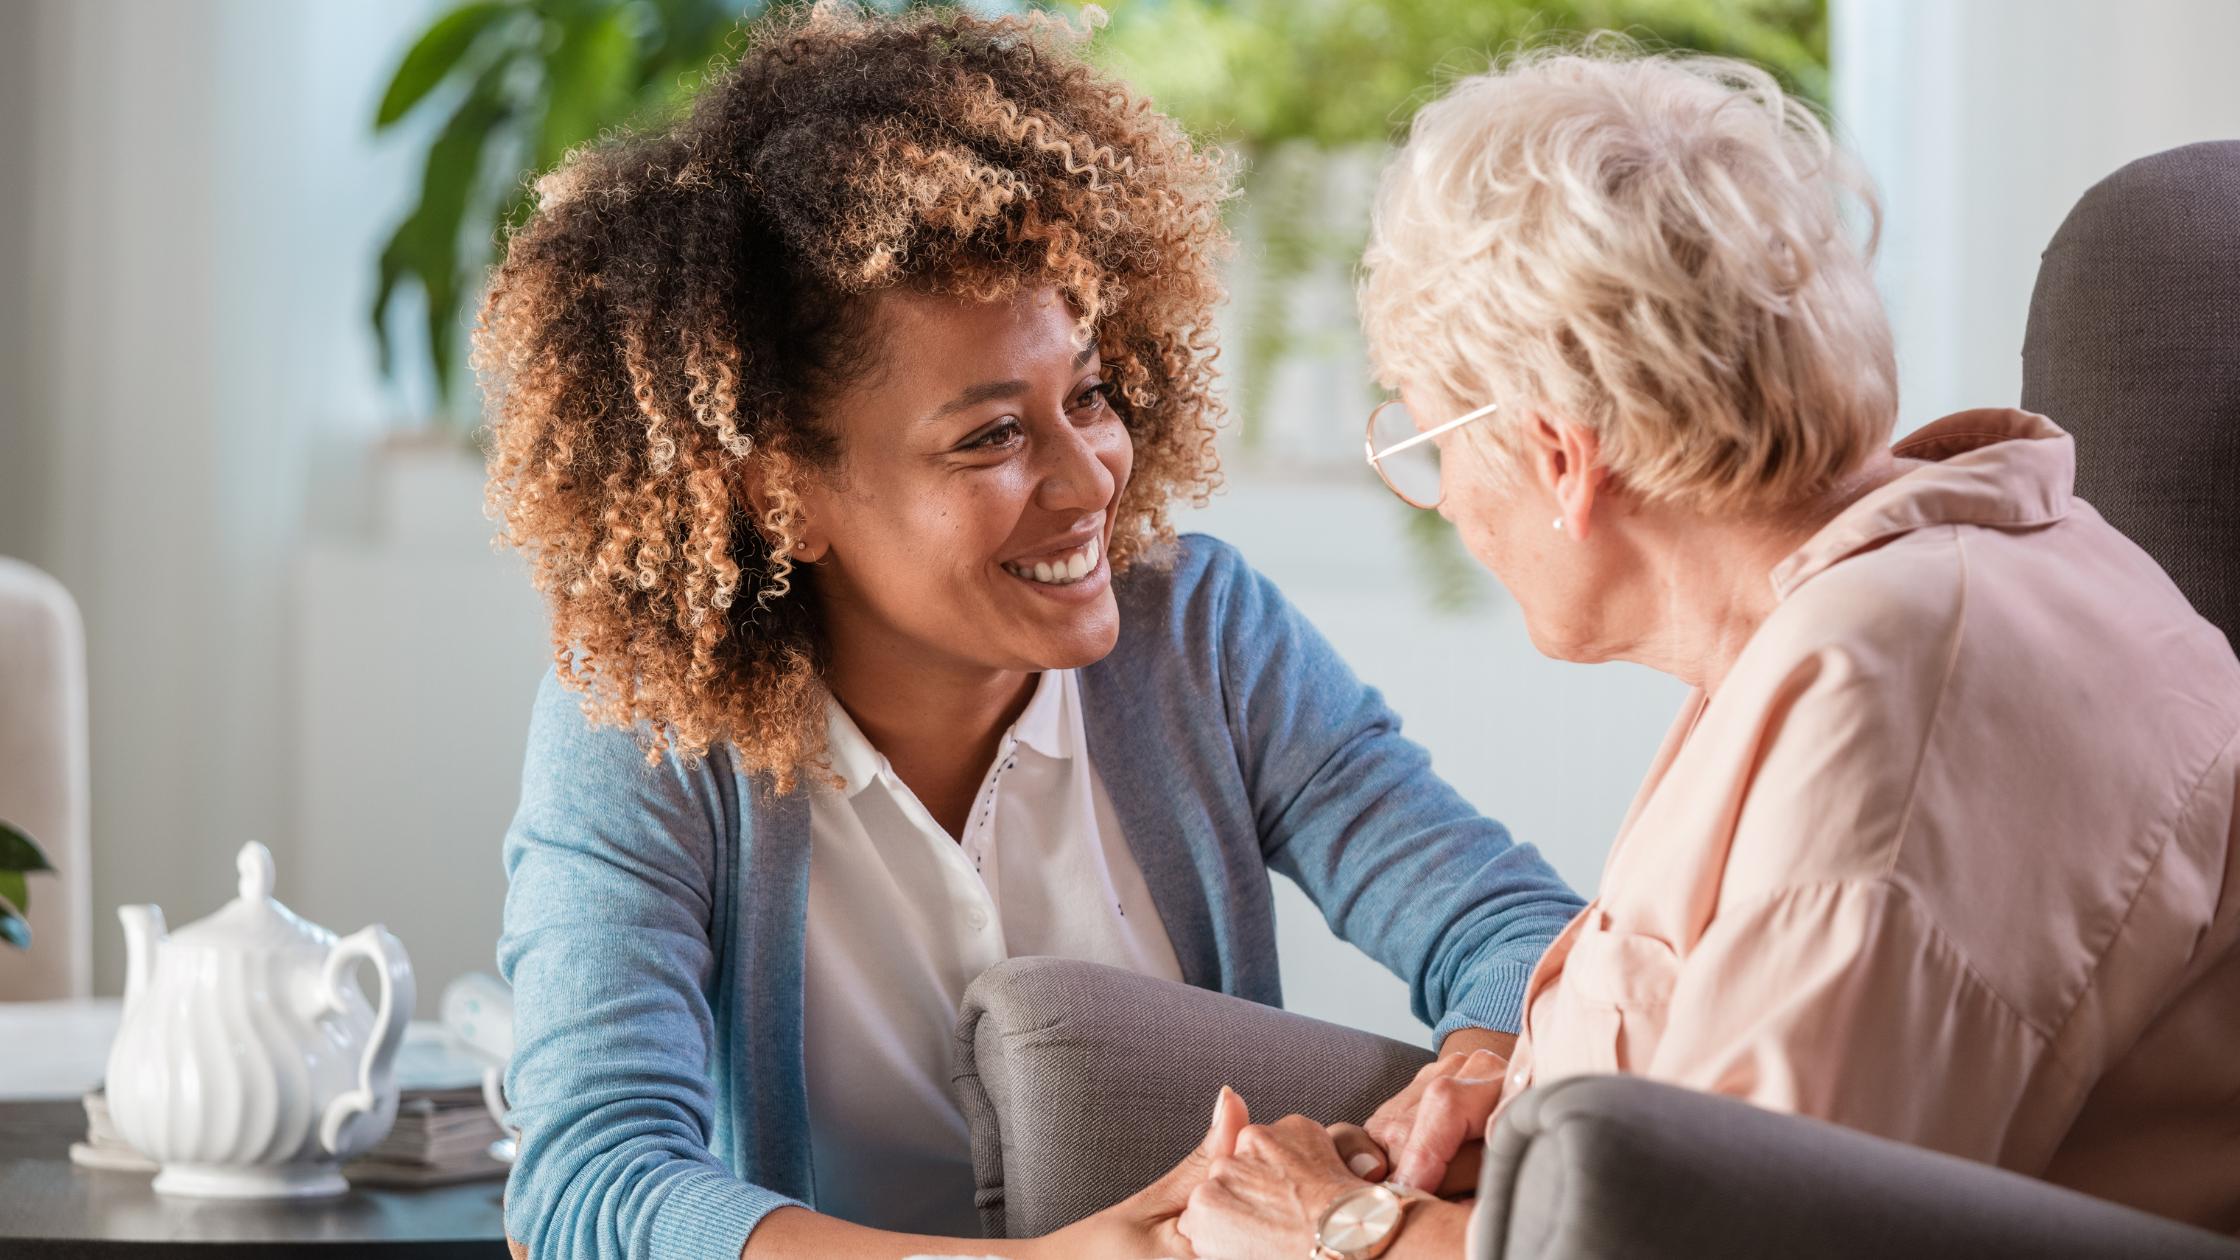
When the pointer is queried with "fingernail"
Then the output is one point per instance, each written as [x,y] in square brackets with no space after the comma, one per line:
[1362,1164]
[1220,1104]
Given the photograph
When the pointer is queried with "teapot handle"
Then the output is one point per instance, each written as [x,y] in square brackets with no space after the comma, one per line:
[376,1075]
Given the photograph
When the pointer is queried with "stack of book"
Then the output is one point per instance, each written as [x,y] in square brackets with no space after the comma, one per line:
[103,1147]
[441,1136]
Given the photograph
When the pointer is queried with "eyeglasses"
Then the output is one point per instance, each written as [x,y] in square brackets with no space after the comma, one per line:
[1406,458]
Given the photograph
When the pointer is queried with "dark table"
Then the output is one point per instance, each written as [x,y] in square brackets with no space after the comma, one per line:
[52,1210]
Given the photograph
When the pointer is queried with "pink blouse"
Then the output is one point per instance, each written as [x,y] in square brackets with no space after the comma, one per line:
[1953,855]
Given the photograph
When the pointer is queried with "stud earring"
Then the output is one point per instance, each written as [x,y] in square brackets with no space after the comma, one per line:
[1559,524]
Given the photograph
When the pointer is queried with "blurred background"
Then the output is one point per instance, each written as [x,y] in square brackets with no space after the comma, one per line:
[240,241]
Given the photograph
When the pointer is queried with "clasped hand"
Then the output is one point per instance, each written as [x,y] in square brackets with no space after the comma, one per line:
[1250,1191]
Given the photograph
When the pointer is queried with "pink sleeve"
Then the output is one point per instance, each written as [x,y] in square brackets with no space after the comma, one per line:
[1839,1000]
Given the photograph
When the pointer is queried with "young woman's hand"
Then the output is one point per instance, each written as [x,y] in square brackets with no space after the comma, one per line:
[1143,1225]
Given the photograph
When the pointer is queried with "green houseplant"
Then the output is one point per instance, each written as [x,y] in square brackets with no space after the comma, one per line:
[19,857]
[518,82]
[1289,84]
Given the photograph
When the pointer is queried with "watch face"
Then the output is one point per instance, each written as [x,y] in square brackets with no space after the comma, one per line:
[1359,1220]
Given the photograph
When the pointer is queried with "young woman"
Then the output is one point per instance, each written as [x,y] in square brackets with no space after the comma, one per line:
[838,423]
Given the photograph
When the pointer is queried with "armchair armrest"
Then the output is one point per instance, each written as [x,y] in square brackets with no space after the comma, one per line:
[1082,1083]
[1620,1166]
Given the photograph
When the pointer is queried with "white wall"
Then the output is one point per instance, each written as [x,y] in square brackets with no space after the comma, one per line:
[23,440]
[1984,121]
[191,205]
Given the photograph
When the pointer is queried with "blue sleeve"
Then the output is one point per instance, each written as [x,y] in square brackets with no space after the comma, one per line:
[611,868]
[1349,809]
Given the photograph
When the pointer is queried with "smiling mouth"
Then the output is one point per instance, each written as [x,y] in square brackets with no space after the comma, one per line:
[1063,570]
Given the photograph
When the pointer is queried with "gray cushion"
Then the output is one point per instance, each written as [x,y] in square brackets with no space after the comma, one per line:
[1624,1167]
[2134,347]
[1084,1083]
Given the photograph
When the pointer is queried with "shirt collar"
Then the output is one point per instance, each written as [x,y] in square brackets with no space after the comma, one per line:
[851,754]
[1994,466]
[1042,726]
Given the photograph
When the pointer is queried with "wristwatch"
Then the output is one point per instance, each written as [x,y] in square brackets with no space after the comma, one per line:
[1362,1222]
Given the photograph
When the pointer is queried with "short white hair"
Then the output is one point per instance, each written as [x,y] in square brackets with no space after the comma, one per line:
[1652,246]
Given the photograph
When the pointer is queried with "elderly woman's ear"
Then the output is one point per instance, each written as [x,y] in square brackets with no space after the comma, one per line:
[1565,461]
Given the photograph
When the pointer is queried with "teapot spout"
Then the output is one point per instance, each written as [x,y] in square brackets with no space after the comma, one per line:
[143,931]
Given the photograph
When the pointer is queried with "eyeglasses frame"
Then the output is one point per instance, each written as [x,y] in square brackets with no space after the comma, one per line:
[1376,457]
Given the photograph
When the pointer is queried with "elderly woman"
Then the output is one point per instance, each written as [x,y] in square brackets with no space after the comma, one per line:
[1942,847]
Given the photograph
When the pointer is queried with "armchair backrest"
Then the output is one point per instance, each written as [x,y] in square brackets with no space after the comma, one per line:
[2133,346]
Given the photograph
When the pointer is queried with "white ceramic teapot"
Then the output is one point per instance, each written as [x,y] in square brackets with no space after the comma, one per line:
[248,1063]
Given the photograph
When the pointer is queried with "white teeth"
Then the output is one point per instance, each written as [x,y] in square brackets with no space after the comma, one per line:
[1064,571]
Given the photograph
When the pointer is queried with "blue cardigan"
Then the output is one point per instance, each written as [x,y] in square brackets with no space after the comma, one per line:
[654,914]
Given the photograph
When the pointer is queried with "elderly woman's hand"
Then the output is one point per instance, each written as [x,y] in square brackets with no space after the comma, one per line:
[1265,1198]
[1429,1131]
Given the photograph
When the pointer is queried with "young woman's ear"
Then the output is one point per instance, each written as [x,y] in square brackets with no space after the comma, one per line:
[765,491]
[1566,462]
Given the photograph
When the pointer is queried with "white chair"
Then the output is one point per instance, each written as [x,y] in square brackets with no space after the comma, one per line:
[43,779]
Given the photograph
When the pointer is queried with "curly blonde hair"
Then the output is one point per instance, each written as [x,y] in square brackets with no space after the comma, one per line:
[662,330]
[1653,246]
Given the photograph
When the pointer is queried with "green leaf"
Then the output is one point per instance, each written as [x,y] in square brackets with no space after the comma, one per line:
[588,82]
[389,271]
[601,63]
[13,927]
[425,247]
[691,33]
[438,51]
[15,890]
[18,853]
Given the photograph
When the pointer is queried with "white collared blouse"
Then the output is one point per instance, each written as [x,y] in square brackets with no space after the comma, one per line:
[903,916]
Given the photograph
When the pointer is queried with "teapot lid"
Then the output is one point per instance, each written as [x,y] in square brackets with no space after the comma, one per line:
[253,920]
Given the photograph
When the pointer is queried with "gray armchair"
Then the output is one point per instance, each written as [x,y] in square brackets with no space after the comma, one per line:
[2134,347]
[1083,1083]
